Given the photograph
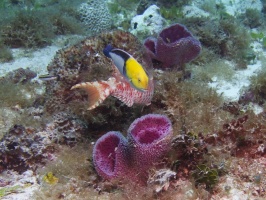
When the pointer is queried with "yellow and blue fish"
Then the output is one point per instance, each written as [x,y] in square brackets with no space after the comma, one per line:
[129,67]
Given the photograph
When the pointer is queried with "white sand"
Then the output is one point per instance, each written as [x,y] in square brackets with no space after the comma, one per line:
[37,60]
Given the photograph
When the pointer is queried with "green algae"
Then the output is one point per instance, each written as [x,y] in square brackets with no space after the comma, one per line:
[206,175]
[36,26]
[9,190]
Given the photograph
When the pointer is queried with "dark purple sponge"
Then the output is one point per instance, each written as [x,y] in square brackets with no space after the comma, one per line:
[109,155]
[175,45]
[149,138]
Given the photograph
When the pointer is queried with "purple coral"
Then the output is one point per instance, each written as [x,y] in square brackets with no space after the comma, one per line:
[109,155]
[149,139]
[175,45]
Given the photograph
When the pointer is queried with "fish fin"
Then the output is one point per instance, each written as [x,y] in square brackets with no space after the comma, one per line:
[107,50]
[97,92]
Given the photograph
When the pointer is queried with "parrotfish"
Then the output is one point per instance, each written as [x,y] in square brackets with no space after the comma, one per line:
[118,87]
[129,67]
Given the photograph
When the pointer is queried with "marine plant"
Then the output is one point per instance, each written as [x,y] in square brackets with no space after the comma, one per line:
[172,13]
[17,94]
[226,37]
[205,175]
[252,18]
[170,3]
[258,85]
[36,27]
[260,37]
[211,71]
[5,52]
[9,190]
[26,29]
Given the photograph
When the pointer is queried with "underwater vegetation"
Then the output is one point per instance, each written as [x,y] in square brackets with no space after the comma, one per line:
[36,24]
[256,92]
[5,52]
[253,18]
[169,3]
[16,89]
[225,37]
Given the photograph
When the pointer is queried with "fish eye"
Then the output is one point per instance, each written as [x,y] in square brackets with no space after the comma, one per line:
[139,80]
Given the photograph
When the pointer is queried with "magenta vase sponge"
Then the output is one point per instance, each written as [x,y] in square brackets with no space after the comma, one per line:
[175,45]
[148,140]
[110,155]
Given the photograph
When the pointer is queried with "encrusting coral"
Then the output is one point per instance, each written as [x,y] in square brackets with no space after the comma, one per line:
[175,45]
[95,15]
[148,140]
[85,62]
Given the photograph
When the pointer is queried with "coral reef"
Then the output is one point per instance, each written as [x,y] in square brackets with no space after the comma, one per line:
[66,128]
[85,62]
[95,15]
[149,23]
[175,45]
[21,150]
[148,140]
[25,147]
[218,150]
[19,75]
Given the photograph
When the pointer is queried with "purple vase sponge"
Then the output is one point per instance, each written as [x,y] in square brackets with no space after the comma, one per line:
[149,138]
[175,45]
[109,155]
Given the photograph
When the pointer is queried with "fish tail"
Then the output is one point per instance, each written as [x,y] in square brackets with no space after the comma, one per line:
[97,91]
[107,50]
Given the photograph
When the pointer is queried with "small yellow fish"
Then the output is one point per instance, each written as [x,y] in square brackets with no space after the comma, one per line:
[129,67]
[50,178]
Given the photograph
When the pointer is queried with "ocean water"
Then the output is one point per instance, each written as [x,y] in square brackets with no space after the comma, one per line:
[174,110]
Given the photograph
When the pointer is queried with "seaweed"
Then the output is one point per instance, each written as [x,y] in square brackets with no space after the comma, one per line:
[173,13]
[206,175]
[5,53]
[170,3]
[36,25]
[258,85]
[252,18]
[225,37]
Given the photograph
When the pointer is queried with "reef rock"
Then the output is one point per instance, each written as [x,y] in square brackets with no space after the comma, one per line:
[149,23]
